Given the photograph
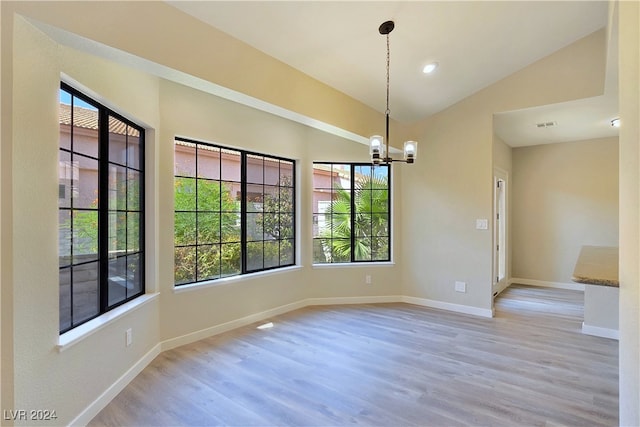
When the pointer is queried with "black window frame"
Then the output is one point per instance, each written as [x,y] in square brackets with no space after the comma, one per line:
[352,213]
[243,212]
[103,209]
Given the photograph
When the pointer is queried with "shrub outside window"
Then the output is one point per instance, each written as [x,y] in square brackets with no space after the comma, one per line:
[234,212]
[351,213]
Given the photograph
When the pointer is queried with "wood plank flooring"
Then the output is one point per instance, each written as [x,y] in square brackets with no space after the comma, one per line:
[387,365]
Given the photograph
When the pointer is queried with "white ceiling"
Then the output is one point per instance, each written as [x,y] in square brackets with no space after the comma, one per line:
[475,42]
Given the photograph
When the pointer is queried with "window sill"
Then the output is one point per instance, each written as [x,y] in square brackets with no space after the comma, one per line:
[233,279]
[77,334]
[355,264]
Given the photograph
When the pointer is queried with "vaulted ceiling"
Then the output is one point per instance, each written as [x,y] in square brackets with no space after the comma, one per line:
[475,44]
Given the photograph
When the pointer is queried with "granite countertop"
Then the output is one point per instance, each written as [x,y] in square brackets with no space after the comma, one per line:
[597,265]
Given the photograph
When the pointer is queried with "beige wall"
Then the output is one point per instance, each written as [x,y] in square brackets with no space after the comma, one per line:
[564,196]
[629,78]
[6,220]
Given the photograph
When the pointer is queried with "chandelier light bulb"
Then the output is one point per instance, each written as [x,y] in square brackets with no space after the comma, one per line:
[410,151]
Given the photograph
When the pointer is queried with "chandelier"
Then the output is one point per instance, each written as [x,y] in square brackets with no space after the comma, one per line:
[378,145]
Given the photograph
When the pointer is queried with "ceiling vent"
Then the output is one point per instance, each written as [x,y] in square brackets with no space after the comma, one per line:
[546,124]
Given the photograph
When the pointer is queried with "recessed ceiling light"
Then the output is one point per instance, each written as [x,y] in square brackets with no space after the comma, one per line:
[430,68]
[615,122]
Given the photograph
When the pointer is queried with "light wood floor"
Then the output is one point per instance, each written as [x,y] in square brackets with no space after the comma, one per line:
[388,365]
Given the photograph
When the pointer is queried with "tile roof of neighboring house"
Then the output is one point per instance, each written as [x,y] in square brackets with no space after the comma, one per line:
[229,151]
[88,119]
[328,167]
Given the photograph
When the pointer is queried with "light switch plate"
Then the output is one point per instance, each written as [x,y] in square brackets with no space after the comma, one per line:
[482,224]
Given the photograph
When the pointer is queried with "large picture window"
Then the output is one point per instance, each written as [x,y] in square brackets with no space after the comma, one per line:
[351,213]
[100,209]
[234,212]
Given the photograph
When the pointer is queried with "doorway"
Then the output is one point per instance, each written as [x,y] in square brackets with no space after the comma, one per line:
[500,230]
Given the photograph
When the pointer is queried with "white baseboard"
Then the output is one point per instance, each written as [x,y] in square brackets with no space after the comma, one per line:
[353,300]
[257,317]
[600,332]
[559,285]
[497,290]
[227,326]
[458,308]
[110,393]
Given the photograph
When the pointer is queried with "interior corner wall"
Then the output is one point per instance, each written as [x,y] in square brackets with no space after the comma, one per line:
[445,191]
[628,13]
[564,196]
[502,155]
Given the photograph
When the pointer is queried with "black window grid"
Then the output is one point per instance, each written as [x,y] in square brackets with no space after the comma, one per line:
[352,214]
[243,212]
[102,209]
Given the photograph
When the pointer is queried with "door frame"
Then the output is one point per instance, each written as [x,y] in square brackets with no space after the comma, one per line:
[500,238]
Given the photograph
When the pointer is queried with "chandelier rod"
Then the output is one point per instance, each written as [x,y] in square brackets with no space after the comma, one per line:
[387,111]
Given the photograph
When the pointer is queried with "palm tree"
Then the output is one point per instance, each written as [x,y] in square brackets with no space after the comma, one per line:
[370,224]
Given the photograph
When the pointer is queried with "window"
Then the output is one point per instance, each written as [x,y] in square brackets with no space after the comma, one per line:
[351,213]
[100,209]
[234,212]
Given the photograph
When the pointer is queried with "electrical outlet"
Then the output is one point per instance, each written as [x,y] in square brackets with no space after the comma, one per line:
[461,287]
[367,279]
[128,338]
[482,224]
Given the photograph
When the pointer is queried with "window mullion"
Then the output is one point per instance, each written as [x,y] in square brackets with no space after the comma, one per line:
[264,186]
[71,204]
[279,212]
[103,209]
[353,211]
[142,208]
[243,213]
[389,227]
[293,210]
[196,213]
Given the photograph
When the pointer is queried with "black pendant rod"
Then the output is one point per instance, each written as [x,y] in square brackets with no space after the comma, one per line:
[385,29]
